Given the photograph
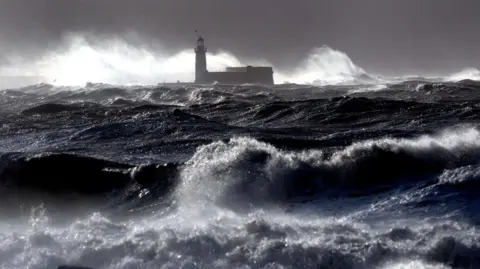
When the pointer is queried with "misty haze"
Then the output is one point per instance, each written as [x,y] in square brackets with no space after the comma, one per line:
[239,134]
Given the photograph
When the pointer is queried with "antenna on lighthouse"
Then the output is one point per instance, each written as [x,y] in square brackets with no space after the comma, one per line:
[198,32]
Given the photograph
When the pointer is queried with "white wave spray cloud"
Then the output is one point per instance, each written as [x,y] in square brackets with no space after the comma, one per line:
[467,73]
[114,61]
[326,66]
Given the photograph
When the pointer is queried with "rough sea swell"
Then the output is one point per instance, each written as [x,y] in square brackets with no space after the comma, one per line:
[376,175]
[241,176]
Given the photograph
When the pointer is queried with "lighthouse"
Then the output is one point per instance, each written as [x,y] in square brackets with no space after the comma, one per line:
[200,61]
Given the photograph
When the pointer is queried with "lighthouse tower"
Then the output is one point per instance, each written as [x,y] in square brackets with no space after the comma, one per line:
[200,61]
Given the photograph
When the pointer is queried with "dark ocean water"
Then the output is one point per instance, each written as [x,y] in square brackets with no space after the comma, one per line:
[250,176]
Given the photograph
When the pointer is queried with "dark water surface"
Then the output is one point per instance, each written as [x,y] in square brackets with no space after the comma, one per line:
[290,176]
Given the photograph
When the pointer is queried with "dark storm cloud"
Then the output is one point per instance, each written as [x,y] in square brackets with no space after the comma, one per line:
[406,35]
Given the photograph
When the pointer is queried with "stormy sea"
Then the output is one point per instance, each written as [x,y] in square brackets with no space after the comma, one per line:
[348,170]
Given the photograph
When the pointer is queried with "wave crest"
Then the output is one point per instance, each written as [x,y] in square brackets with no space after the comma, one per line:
[327,66]
[245,172]
[466,74]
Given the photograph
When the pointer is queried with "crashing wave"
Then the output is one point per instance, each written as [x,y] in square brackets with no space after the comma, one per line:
[247,172]
[465,74]
[327,66]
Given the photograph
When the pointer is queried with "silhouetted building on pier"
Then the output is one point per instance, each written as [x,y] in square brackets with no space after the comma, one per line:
[232,75]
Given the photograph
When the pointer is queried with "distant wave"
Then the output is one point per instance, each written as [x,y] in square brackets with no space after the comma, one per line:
[75,174]
[465,74]
[327,66]
[51,108]
[116,62]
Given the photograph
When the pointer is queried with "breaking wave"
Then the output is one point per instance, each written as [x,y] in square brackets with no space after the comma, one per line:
[326,66]
[465,74]
[247,172]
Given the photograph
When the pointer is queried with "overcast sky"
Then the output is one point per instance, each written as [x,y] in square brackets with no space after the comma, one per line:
[379,35]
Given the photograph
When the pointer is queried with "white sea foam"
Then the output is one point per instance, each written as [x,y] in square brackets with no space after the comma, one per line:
[226,240]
